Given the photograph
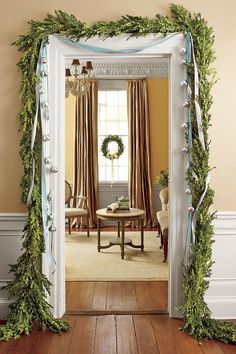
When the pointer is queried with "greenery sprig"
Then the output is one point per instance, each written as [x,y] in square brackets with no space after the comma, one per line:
[29,286]
[162,180]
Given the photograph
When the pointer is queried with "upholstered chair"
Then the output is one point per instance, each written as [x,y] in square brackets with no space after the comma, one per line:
[163,221]
[81,211]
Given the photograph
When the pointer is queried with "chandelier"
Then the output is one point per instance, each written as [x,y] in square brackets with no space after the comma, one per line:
[78,78]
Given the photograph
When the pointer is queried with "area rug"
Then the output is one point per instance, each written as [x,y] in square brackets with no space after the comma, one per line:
[84,262]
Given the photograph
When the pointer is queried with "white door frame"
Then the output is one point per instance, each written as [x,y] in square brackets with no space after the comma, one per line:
[58,52]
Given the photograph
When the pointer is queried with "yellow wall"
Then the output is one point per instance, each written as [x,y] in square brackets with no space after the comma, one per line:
[158,110]
[69,136]
[221,15]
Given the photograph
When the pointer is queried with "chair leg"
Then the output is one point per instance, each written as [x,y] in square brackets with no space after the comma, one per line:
[69,221]
[87,225]
[165,247]
[161,245]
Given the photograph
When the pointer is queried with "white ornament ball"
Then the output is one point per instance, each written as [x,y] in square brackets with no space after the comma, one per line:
[188,191]
[191,210]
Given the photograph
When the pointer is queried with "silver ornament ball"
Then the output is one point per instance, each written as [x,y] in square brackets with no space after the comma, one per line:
[54,169]
[184,149]
[46,137]
[52,228]
[185,125]
[191,209]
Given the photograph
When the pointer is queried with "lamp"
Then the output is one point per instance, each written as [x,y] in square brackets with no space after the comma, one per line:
[81,78]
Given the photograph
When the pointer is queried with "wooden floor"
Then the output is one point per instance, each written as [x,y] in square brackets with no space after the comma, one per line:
[115,334]
[117,297]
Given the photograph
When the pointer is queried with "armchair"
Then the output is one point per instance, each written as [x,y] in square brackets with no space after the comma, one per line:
[163,221]
[80,211]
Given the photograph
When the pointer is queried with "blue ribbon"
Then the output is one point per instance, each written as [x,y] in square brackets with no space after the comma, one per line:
[96,49]
[45,202]
[188,237]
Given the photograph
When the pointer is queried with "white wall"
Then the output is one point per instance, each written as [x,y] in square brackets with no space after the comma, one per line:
[11,226]
[221,296]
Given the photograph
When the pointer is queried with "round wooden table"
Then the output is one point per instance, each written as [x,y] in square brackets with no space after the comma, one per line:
[121,218]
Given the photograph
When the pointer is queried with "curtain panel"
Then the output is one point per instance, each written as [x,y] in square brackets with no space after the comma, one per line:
[86,149]
[140,183]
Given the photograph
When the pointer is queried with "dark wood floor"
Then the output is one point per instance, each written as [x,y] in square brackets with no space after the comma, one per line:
[116,297]
[115,334]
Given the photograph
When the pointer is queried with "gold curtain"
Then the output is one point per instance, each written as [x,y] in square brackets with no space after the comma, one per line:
[86,150]
[140,184]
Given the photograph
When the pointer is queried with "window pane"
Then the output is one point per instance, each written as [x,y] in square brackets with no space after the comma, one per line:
[112,98]
[123,159]
[102,173]
[101,128]
[101,97]
[123,173]
[112,113]
[112,119]
[102,112]
[111,128]
[123,128]
[123,113]
[123,98]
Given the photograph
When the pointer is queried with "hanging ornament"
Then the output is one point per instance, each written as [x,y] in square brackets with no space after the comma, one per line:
[186,104]
[46,137]
[52,228]
[47,160]
[184,83]
[191,209]
[54,169]
[183,50]
[43,60]
[185,149]
[185,125]
[50,217]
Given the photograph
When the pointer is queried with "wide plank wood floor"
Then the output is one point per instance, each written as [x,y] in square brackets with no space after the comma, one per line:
[115,334]
[116,297]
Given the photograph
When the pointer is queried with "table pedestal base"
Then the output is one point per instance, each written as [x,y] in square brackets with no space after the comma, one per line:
[118,241]
[121,240]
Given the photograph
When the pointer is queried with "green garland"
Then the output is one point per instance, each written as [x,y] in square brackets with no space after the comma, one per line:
[29,286]
[105,143]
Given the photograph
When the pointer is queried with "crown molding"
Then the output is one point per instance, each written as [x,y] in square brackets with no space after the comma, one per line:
[130,70]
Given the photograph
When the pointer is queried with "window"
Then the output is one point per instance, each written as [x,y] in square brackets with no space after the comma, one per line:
[112,119]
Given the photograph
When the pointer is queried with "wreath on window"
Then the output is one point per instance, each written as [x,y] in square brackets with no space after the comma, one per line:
[112,154]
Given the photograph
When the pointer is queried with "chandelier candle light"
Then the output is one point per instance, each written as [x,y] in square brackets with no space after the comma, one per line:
[81,75]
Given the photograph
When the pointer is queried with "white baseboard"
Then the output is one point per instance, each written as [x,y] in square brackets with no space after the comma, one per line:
[11,230]
[221,295]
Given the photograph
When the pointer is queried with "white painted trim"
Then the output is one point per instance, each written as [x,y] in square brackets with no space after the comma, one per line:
[221,295]
[59,52]
[11,230]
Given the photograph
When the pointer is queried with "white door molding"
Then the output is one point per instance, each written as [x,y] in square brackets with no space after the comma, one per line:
[59,53]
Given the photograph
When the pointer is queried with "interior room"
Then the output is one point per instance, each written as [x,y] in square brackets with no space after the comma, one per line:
[124,106]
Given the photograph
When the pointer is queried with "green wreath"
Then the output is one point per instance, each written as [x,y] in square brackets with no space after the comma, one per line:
[105,143]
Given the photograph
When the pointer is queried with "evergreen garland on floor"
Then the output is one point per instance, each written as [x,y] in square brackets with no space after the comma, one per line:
[29,287]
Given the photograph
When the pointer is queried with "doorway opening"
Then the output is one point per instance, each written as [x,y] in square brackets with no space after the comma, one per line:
[59,53]
[127,104]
